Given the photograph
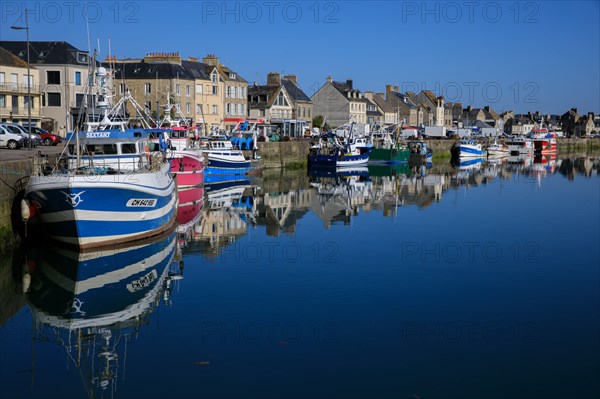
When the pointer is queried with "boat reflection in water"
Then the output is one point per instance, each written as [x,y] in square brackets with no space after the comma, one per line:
[189,213]
[336,195]
[93,303]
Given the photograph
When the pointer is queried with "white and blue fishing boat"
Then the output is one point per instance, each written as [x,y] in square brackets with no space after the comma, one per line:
[222,158]
[112,185]
[333,152]
[465,148]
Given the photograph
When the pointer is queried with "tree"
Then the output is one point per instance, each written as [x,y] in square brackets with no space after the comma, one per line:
[317,121]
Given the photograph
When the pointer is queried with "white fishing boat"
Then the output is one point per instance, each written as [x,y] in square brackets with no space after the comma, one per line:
[497,150]
[465,148]
[520,146]
[112,185]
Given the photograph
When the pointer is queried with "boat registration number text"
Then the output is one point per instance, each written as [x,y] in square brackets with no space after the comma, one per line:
[142,282]
[145,202]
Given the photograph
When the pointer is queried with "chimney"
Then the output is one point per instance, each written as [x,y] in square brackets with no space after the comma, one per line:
[273,79]
[389,89]
[194,59]
[369,95]
[211,59]
[292,78]
[487,108]
[329,79]
[349,83]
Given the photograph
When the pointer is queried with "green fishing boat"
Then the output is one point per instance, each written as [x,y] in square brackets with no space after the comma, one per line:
[389,151]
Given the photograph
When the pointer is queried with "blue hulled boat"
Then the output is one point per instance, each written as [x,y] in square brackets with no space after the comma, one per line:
[465,148]
[222,158]
[113,185]
[116,192]
[335,152]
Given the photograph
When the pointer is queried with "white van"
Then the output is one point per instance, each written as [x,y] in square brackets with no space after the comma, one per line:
[9,139]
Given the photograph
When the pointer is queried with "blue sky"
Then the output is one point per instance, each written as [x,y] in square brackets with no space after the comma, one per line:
[519,55]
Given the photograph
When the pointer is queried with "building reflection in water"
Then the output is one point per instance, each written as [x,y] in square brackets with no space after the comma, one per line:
[94,303]
[279,202]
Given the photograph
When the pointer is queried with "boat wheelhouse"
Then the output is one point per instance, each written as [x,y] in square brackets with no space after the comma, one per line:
[465,148]
[110,187]
[519,146]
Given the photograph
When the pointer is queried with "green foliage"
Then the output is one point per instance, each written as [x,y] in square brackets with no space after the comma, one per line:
[317,121]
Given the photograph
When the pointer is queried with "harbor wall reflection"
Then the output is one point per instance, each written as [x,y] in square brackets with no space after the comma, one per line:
[277,201]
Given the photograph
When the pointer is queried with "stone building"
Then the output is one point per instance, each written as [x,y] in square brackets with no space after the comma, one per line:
[340,103]
[14,88]
[63,76]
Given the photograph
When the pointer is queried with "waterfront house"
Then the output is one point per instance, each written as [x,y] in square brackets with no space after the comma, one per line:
[340,103]
[151,80]
[235,92]
[63,76]
[485,114]
[302,106]
[407,110]
[568,121]
[435,106]
[281,102]
[14,82]
[390,114]
[519,124]
[585,125]
[374,116]
[209,94]
[272,103]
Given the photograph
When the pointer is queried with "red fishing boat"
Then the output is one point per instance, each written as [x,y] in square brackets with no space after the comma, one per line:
[544,142]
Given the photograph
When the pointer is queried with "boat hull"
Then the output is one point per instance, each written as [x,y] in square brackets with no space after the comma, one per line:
[89,211]
[188,167]
[388,155]
[468,151]
[544,146]
[320,160]
[497,153]
[217,160]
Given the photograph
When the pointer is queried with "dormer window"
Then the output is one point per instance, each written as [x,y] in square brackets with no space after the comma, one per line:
[214,77]
[232,75]
[82,58]
[44,53]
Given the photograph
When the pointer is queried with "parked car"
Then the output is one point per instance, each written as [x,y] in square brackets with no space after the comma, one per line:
[34,140]
[47,138]
[9,139]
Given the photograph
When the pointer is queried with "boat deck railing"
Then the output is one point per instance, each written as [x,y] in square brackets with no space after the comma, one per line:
[98,165]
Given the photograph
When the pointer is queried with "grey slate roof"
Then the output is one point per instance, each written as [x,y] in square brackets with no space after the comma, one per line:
[270,92]
[226,73]
[384,105]
[343,88]
[144,70]
[402,97]
[294,91]
[45,52]
[197,69]
[9,59]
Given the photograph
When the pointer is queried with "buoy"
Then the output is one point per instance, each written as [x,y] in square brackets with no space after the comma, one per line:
[26,282]
[26,279]
[25,212]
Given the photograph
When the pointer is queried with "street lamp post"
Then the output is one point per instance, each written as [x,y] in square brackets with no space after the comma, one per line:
[26,28]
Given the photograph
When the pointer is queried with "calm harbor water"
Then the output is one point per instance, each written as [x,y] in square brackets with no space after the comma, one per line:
[473,281]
